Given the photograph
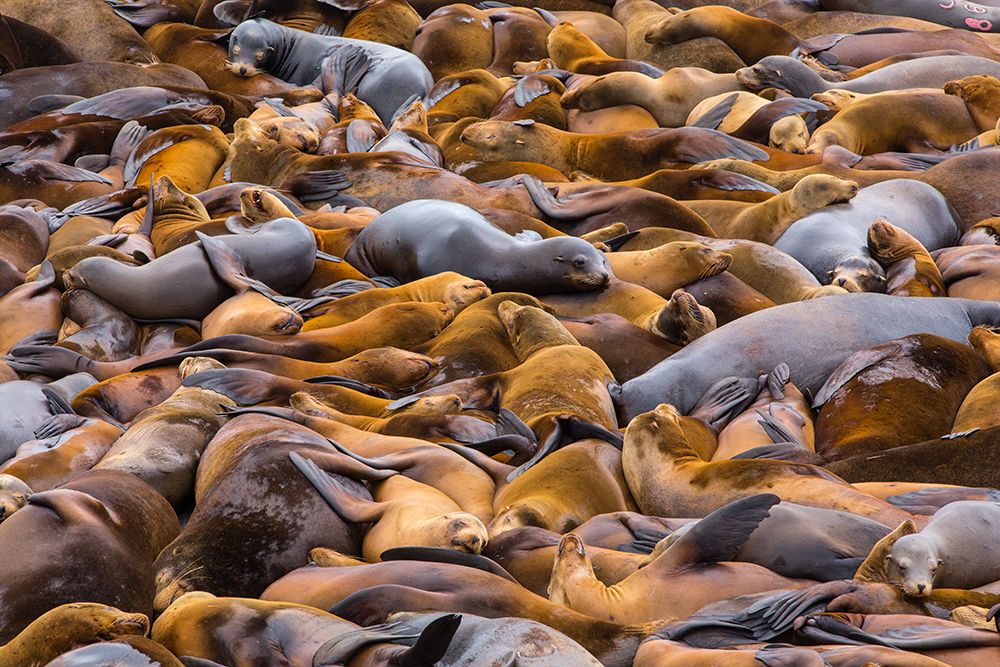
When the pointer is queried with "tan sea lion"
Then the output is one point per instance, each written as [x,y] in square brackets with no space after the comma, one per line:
[909,268]
[689,486]
[789,133]
[669,267]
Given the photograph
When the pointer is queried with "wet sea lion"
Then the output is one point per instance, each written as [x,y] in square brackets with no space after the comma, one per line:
[133,289]
[424,226]
[667,476]
[390,78]
[909,374]
[872,318]
[248,454]
[956,549]
[114,525]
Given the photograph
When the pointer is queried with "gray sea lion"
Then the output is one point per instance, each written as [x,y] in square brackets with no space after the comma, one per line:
[792,333]
[958,548]
[391,76]
[25,405]
[182,285]
[427,236]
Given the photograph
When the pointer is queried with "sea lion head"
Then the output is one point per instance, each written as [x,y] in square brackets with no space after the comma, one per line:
[173,577]
[577,265]
[888,243]
[498,140]
[593,94]
[394,368]
[789,134]
[447,404]
[168,199]
[986,341]
[836,99]
[683,319]
[464,532]
[463,292]
[194,365]
[687,25]
[769,72]
[258,206]
[817,191]
[913,564]
[13,495]
[858,274]
[974,89]
[703,261]
[250,48]
[571,562]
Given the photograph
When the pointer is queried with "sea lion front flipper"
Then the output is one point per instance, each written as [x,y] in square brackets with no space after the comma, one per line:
[788,452]
[718,536]
[94,162]
[273,411]
[351,383]
[431,645]
[341,72]
[547,202]
[45,103]
[777,379]
[616,243]
[712,118]
[775,430]
[347,506]
[108,240]
[245,386]
[530,88]
[446,555]
[495,469]
[720,179]
[324,185]
[758,126]
[873,567]
[644,543]
[725,399]
[56,171]
[47,360]
[226,263]
[360,136]
[58,424]
[701,145]
[73,506]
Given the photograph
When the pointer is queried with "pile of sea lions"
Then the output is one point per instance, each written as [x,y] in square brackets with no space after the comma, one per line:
[546,333]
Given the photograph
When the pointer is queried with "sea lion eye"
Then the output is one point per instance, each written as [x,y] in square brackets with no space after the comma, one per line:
[236,50]
[579,262]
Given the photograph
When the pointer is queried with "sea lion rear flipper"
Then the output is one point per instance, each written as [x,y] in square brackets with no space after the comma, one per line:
[347,506]
[140,15]
[342,71]
[708,145]
[521,448]
[720,179]
[446,555]
[616,243]
[644,543]
[343,288]
[853,366]
[495,469]
[43,338]
[720,535]
[326,30]
[873,567]
[281,413]
[57,404]
[789,452]
[108,240]
[55,171]
[776,430]
[712,118]
[547,202]
[777,379]
[350,383]
[94,162]
[301,305]
[774,615]
[245,386]
[45,103]
[725,399]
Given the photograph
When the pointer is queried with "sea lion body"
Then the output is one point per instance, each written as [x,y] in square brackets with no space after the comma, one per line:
[747,348]
[393,76]
[181,284]
[956,549]
[432,230]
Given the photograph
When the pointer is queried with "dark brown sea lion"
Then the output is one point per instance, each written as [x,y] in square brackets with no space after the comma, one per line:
[605,333]
[924,369]
[113,524]
[249,454]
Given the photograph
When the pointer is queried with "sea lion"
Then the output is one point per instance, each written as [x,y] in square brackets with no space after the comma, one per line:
[660,465]
[173,434]
[130,651]
[797,78]
[956,549]
[390,78]
[838,253]
[614,156]
[976,411]
[369,593]
[469,43]
[910,374]
[669,98]
[248,454]
[605,334]
[754,118]
[226,630]
[909,268]
[692,563]
[685,263]
[69,626]
[968,270]
[767,221]
[288,249]
[979,92]
[29,309]
[569,264]
[403,513]
[113,524]
[574,51]
[25,406]
[450,288]
[189,154]
[883,318]
[908,122]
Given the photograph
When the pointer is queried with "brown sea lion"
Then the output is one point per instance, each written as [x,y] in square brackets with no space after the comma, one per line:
[189,154]
[686,576]
[391,22]
[670,98]
[788,133]
[469,43]
[248,454]
[388,587]
[976,410]
[669,267]
[67,627]
[916,371]
[614,156]
[968,271]
[605,333]
[909,268]
[655,438]
[572,50]
[112,523]
[404,512]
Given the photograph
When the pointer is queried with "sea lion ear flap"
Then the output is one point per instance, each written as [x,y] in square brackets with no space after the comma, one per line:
[232,12]
[873,569]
